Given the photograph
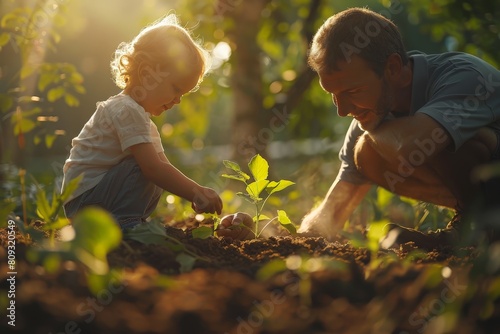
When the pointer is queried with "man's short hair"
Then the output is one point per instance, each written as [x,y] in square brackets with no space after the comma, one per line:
[355,31]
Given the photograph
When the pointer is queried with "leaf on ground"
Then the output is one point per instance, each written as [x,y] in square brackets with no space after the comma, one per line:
[149,233]
[202,232]
[186,261]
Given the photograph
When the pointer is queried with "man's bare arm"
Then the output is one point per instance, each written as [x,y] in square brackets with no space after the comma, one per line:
[337,206]
[406,135]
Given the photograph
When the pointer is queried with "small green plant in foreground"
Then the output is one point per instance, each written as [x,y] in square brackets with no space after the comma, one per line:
[154,233]
[91,236]
[259,168]
[300,269]
[49,212]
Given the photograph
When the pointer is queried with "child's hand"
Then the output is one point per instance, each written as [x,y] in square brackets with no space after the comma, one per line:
[206,200]
[237,219]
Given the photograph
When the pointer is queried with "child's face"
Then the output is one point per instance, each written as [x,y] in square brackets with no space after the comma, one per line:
[162,90]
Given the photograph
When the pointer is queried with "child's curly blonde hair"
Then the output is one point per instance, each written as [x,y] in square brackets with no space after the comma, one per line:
[157,45]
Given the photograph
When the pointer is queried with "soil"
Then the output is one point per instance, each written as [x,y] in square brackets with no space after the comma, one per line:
[282,284]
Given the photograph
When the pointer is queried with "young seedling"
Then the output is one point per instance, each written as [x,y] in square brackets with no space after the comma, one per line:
[256,191]
[49,212]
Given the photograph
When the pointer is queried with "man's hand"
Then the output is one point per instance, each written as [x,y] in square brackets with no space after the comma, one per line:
[318,222]
[237,226]
[329,217]
[206,200]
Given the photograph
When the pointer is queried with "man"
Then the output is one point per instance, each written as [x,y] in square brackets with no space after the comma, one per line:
[422,123]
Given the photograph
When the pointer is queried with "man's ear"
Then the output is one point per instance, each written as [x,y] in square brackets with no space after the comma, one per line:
[393,67]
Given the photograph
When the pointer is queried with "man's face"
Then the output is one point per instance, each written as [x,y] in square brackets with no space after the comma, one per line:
[359,92]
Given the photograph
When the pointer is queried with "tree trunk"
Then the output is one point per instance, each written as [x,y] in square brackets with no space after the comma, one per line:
[249,116]
[305,76]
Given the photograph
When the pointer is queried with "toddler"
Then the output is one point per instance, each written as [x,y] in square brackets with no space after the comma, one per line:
[119,151]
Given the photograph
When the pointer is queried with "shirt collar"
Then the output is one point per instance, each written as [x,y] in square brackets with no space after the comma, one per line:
[419,84]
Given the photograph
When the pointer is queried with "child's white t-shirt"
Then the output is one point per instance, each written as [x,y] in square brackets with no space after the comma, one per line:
[104,141]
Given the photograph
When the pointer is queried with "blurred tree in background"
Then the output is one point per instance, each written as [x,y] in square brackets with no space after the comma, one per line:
[28,31]
[469,26]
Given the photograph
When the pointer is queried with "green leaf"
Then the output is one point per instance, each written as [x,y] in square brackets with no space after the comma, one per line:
[55,94]
[23,126]
[274,187]
[71,100]
[286,222]
[261,217]
[16,18]
[202,232]
[49,140]
[29,113]
[384,197]
[231,165]
[96,233]
[43,207]
[150,233]
[76,78]
[236,168]
[56,225]
[70,187]
[234,177]
[217,221]
[79,89]
[46,78]
[249,197]
[259,168]
[186,261]
[97,265]
[376,231]
[255,188]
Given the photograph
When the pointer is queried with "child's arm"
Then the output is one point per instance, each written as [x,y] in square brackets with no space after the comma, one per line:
[161,172]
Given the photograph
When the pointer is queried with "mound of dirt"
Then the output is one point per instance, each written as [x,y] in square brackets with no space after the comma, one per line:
[283,284]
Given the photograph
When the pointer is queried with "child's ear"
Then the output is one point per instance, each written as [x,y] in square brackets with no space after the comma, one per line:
[144,75]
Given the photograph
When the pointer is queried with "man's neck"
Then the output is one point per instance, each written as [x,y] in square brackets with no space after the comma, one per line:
[403,94]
